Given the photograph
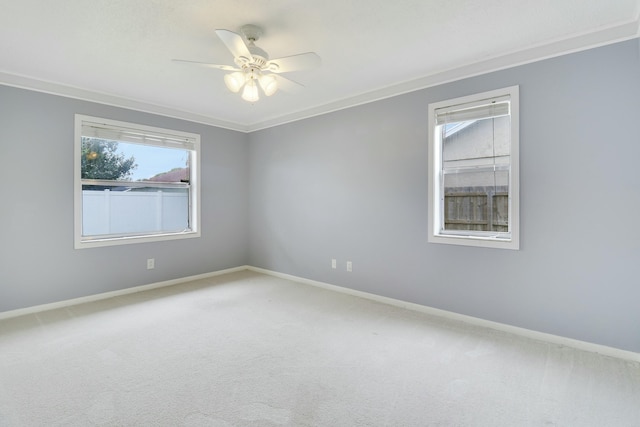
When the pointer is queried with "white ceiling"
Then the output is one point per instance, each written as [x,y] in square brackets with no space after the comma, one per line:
[119,52]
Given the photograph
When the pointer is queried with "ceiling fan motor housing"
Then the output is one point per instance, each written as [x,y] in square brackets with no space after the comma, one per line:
[260,57]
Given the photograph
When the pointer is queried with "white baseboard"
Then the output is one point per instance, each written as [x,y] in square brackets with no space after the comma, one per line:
[527,333]
[540,336]
[106,295]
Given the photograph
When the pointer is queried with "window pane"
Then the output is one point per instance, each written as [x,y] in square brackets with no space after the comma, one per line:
[134,183]
[476,200]
[477,141]
[474,170]
[476,156]
[119,210]
[475,178]
[123,161]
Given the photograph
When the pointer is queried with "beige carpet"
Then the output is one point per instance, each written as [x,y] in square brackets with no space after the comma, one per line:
[246,349]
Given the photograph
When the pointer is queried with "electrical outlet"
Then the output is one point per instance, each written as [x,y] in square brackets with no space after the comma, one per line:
[349,266]
[151,263]
[334,264]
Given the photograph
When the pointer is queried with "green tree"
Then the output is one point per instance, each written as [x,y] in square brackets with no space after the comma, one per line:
[101,161]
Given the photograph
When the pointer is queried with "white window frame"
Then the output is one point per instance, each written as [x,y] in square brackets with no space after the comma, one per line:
[81,242]
[435,168]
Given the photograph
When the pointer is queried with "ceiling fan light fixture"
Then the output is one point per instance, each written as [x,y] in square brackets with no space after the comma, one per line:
[253,67]
[250,92]
[234,81]
[269,84]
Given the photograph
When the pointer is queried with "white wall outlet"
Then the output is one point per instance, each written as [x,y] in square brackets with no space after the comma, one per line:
[334,264]
[151,263]
[349,266]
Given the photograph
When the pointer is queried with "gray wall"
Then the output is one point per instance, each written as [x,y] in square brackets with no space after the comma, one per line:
[38,263]
[352,185]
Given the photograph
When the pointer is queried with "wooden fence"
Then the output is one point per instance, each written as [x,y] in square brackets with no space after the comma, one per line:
[476,208]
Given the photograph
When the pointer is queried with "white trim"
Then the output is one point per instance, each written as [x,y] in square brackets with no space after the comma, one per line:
[527,333]
[515,330]
[558,47]
[434,160]
[59,89]
[113,294]
[195,185]
[552,49]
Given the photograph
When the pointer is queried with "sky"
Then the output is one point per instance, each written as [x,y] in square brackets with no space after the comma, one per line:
[152,160]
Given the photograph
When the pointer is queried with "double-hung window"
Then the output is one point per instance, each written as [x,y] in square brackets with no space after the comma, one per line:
[473,170]
[134,183]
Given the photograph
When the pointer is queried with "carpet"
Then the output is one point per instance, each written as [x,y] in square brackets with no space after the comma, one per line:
[247,349]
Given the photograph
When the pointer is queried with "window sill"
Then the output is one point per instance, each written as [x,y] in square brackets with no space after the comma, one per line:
[476,241]
[116,241]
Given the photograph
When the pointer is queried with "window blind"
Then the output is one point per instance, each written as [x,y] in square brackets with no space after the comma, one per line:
[485,109]
[135,136]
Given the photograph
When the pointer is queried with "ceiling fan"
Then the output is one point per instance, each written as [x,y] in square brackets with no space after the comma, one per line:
[254,69]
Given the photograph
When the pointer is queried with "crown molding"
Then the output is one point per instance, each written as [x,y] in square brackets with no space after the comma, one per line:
[551,49]
[558,47]
[67,91]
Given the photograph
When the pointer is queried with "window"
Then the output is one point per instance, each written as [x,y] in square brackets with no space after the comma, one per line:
[134,183]
[473,170]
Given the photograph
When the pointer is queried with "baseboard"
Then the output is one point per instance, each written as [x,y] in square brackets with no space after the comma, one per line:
[541,336]
[527,333]
[111,294]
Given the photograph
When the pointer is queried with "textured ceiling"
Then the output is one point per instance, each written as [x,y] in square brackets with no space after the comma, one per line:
[119,51]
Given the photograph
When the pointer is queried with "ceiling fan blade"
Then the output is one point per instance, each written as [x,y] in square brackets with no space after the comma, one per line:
[204,64]
[288,85]
[234,43]
[286,64]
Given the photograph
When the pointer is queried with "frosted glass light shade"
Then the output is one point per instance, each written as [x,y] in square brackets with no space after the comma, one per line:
[269,84]
[234,81]
[250,92]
